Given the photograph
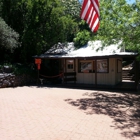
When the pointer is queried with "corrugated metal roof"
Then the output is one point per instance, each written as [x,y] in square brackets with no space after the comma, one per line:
[61,48]
[92,49]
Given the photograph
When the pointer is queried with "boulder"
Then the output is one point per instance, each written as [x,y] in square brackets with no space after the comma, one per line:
[7,69]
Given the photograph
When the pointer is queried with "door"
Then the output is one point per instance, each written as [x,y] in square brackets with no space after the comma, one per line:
[70,65]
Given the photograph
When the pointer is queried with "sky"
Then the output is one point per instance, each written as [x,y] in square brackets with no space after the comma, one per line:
[129,1]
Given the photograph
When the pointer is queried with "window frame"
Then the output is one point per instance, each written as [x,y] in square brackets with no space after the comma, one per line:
[92,70]
[67,63]
[99,61]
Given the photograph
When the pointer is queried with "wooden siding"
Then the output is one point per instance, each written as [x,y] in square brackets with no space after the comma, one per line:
[84,78]
[118,74]
[110,78]
[107,78]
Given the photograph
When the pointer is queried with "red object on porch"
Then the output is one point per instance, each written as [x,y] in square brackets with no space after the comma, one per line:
[38,66]
[37,61]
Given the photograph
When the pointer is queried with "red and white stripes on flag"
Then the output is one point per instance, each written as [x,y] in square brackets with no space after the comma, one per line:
[90,13]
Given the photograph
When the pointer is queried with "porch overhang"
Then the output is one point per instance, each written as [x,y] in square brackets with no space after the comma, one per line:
[67,56]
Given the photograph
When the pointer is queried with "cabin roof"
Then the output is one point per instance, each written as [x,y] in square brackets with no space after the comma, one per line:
[91,50]
[60,49]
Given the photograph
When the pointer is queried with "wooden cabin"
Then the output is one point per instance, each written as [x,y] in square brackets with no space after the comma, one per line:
[90,64]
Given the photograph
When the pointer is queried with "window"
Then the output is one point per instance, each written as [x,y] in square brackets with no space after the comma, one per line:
[86,66]
[102,65]
[70,64]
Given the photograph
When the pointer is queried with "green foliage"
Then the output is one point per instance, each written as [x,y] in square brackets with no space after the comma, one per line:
[72,7]
[40,23]
[19,69]
[8,37]
[43,23]
[120,21]
[8,41]
[82,38]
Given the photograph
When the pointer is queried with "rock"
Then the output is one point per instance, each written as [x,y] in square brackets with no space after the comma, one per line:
[9,80]
[5,83]
[7,69]
[9,84]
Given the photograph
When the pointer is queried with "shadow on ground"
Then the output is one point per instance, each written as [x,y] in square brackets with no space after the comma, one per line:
[124,108]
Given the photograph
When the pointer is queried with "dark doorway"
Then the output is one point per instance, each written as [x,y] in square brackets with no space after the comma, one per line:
[50,70]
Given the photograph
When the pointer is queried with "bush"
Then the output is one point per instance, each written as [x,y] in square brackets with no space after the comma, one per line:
[19,69]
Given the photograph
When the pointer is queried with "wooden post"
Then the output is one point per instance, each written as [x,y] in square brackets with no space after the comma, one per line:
[95,72]
[37,76]
[136,65]
[75,69]
[38,62]
[65,76]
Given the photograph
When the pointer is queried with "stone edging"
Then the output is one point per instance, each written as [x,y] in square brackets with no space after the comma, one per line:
[10,80]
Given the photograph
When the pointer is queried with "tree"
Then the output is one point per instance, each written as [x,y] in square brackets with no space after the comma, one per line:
[47,25]
[8,39]
[72,7]
[40,23]
[119,21]
[72,11]
[82,33]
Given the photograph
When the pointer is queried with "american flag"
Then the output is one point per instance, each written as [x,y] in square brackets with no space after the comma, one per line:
[90,13]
